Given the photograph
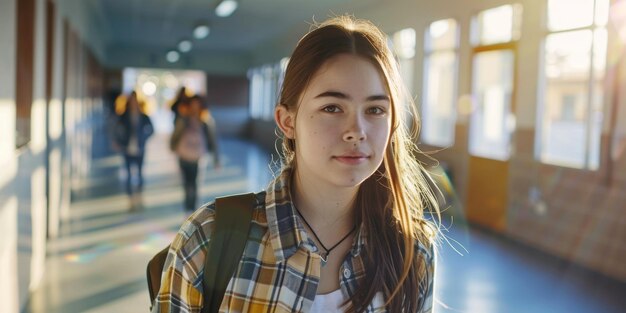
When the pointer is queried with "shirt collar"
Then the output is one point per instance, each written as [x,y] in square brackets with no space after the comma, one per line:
[286,230]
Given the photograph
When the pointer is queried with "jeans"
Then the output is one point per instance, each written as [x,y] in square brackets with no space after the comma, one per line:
[137,161]
[189,171]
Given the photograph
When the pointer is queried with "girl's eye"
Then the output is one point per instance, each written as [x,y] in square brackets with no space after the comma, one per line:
[331,109]
[375,110]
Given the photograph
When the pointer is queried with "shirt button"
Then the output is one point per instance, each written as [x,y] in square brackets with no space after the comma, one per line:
[346,273]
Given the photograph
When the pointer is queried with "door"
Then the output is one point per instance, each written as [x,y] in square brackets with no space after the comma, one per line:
[491,124]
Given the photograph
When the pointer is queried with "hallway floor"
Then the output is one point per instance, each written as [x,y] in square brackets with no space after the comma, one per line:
[98,263]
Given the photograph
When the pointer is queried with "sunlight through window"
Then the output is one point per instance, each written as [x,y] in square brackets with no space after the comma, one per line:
[497,25]
[492,118]
[574,67]
[440,77]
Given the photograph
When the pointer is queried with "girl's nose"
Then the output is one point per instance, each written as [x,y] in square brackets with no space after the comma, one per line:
[355,132]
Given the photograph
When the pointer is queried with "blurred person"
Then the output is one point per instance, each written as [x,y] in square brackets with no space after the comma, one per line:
[181,97]
[342,228]
[132,131]
[194,135]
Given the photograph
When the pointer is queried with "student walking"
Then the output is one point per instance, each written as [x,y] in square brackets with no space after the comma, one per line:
[132,131]
[194,134]
[342,227]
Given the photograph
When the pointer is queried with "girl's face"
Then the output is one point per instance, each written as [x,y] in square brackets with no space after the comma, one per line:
[195,108]
[343,123]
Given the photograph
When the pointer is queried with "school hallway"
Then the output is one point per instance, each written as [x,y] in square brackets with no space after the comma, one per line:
[98,263]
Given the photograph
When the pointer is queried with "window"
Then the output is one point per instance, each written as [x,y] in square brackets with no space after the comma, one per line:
[440,83]
[492,88]
[256,93]
[404,48]
[494,34]
[269,91]
[265,84]
[497,25]
[574,57]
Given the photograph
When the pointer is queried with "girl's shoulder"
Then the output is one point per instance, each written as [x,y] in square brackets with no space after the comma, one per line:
[200,225]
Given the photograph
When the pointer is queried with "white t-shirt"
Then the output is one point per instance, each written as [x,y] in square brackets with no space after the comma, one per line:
[329,302]
[192,143]
[133,144]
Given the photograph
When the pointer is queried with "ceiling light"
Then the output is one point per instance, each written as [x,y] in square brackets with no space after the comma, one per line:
[201,31]
[172,56]
[185,46]
[226,8]
[149,88]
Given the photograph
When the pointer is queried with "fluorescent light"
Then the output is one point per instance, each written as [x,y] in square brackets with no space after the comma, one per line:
[226,8]
[185,46]
[172,56]
[201,31]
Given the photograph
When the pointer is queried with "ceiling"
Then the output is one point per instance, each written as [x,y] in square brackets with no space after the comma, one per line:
[156,26]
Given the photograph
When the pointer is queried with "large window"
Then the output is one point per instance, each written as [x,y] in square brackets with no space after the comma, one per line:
[570,114]
[440,83]
[494,34]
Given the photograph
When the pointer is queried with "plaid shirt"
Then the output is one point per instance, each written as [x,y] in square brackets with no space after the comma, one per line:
[279,270]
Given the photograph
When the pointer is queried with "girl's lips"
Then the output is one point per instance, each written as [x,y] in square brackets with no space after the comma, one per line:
[351,160]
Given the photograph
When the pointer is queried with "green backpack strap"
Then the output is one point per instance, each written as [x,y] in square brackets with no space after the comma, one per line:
[233,216]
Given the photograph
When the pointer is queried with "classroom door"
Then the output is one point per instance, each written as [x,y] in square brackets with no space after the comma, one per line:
[491,123]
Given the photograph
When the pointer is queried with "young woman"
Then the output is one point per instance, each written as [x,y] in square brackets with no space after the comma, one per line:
[131,134]
[342,227]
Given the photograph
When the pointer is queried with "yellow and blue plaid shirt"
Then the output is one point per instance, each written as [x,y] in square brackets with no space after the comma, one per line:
[280,267]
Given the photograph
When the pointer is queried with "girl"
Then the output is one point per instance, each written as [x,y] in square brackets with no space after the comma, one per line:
[131,134]
[342,228]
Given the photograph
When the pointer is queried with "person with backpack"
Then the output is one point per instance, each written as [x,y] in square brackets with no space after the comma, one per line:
[194,134]
[343,226]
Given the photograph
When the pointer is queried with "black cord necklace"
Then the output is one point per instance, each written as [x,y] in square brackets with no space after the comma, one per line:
[327,250]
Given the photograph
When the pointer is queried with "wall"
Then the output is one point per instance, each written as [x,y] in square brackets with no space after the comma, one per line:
[83,16]
[9,301]
[227,98]
[23,179]
[35,180]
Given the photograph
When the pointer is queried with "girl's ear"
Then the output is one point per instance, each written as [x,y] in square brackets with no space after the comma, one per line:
[285,121]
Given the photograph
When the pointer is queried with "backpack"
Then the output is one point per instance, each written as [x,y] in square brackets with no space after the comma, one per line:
[233,215]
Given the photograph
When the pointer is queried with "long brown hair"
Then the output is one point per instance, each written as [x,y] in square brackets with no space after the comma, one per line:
[391,202]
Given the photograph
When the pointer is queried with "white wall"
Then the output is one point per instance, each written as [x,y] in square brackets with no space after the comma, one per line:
[37,146]
[58,193]
[9,299]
